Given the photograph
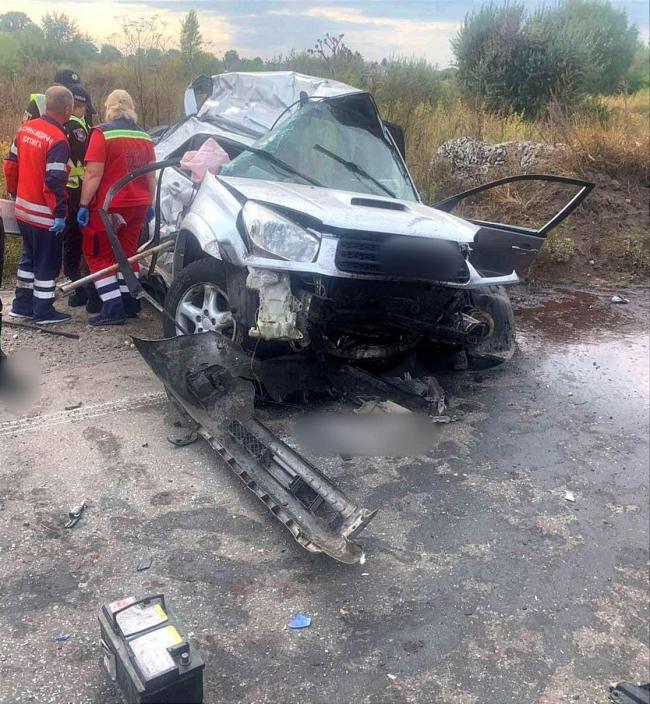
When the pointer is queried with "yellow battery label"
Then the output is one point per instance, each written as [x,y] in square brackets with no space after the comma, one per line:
[150,651]
[140,617]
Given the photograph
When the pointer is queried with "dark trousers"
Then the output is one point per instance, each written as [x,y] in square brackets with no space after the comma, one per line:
[72,239]
[39,265]
[74,264]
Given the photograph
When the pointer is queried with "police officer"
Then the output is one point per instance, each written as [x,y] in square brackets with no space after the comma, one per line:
[77,131]
[36,172]
[70,79]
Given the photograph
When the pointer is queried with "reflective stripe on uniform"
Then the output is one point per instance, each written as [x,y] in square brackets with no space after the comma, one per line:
[120,280]
[109,295]
[22,274]
[34,219]
[13,149]
[43,294]
[105,281]
[127,134]
[28,205]
[55,166]
[39,283]
[108,288]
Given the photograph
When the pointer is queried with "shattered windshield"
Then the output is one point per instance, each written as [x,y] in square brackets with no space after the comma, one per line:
[336,143]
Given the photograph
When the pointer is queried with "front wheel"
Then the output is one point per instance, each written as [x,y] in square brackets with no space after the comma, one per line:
[499,346]
[197,302]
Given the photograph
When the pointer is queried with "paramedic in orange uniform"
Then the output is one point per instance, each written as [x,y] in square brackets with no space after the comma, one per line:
[36,171]
[115,148]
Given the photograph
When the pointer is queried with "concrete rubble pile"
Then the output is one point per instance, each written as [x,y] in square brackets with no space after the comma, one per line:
[471,158]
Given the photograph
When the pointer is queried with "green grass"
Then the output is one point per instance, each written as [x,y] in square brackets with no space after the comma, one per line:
[13,247]
[636,249]
[559,247]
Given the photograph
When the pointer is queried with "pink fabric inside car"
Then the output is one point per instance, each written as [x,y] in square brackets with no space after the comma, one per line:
[210,157]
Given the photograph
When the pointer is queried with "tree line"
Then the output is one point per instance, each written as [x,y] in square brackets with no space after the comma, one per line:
[506,58]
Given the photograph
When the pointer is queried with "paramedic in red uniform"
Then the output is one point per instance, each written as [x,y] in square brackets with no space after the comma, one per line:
[115,148]
[36,171]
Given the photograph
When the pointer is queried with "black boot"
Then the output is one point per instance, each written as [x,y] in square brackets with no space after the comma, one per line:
[94,302]
[78,298]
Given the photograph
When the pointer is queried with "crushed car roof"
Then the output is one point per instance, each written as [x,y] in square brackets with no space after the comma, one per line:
[252,102]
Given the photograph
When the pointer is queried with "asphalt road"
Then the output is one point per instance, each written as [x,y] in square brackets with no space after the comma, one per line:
[483,583]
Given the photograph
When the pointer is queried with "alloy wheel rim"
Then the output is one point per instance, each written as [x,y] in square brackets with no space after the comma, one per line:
[205,308]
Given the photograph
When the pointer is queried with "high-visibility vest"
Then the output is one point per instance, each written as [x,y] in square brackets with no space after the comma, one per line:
[77,151]
[38,99]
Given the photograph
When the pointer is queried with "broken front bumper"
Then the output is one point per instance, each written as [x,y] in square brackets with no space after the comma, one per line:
[209,378]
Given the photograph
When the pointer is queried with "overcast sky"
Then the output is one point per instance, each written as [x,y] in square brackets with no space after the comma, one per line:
[266,28]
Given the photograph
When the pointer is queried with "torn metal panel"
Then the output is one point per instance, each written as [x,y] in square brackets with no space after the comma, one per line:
[209,378]
[630,693]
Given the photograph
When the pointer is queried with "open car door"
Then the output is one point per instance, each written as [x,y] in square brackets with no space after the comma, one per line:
[499,248]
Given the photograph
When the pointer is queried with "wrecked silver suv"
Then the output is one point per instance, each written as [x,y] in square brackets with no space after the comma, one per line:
[314,235]
[308,257]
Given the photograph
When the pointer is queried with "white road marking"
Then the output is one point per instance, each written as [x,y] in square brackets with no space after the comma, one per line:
[24,425]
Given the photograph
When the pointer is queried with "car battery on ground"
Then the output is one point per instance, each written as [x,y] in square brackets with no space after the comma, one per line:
[147,653]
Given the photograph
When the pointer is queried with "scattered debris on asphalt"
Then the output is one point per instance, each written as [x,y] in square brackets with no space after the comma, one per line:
[75,514]
[569,496]
[62,637]
[619,299]
[73,406]
[300,621]
[426,387]
[183,440]
[144,564]
[39,328]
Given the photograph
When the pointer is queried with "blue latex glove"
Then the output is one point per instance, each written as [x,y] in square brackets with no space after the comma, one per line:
[83,216]
[59,225]
[151,213]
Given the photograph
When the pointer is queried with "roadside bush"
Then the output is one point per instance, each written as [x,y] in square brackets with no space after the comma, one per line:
[404,83]
[517,62]
[559,247]
[638,75]
[635,248]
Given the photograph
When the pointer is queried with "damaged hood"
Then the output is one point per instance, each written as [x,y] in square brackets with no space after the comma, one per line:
[250,103]
[351,211]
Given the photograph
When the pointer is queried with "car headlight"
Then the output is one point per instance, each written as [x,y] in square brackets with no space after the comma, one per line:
[277,235]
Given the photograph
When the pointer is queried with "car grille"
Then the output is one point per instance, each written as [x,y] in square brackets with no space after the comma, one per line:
[377,254]
[359,256]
